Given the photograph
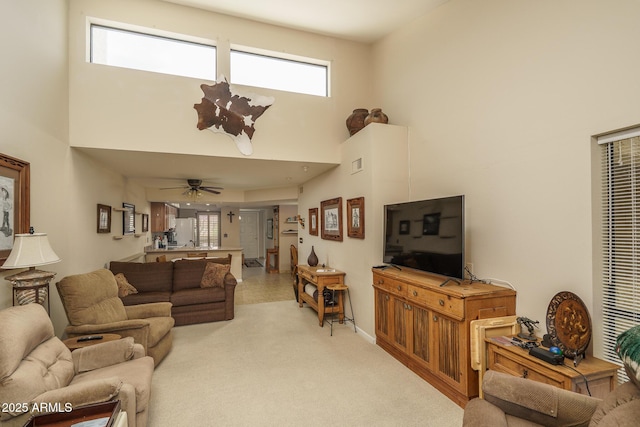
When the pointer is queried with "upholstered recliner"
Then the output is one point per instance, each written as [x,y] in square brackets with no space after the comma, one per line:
[93,307]
[517,402]
[37,368]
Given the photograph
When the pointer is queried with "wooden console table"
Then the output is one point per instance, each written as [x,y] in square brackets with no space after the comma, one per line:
[513,360]
[321,278]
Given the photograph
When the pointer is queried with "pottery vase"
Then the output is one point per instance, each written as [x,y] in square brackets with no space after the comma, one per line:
[312,261]
[355,121]
[376,116]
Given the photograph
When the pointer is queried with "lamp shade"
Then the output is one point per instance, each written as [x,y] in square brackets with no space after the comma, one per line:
[30,250]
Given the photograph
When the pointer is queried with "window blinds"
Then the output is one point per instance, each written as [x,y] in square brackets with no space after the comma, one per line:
[620,239]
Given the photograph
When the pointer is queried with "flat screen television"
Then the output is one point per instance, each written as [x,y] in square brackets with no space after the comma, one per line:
[426,235]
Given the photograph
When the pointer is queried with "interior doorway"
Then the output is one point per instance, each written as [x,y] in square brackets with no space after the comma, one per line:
[250,234]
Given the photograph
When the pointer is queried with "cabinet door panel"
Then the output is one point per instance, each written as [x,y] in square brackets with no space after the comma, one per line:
[382,314]
[399,323]
[449,358]
[421,347]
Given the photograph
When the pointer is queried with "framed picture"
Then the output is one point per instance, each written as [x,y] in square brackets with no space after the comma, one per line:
[331,217]
[405,227]
[270,228]
[355,218]
[14,200]
[128,218]
[313,221]
[145,223]
[431,224]
[104,218]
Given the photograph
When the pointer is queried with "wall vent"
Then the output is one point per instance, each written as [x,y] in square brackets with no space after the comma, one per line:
[356,166]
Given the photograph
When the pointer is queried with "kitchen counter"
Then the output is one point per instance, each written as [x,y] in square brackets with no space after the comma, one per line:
[174,252]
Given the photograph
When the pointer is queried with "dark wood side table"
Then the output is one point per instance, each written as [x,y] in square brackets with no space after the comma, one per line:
[601,376]
[73,344]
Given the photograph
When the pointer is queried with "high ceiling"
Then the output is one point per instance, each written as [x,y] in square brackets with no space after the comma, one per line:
[338,18]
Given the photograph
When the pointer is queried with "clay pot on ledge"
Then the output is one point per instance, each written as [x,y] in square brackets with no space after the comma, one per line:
[376,116]
[355,121]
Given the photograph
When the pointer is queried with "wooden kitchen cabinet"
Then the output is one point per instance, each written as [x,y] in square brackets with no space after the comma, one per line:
[163,217]
[601,376]
[427,327]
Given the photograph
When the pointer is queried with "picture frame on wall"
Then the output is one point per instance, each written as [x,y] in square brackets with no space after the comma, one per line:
[128,218]
[313,221]
[104,219]
[14,200]
[145,223]
[331,219]
[355,218]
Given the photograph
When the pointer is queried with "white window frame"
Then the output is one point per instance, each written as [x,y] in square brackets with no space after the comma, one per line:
[620,240]
[283,58]
[172,38]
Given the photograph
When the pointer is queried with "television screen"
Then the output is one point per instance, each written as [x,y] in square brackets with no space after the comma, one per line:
[426,235]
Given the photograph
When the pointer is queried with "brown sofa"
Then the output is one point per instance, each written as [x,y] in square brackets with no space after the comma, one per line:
[37,368]
[178,282]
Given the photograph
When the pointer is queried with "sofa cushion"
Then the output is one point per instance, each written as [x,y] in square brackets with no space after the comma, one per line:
[621,407]
[124,287]
[214,274]
[197,296]
[147,276]
[146,298]
[93,298]
[187,274]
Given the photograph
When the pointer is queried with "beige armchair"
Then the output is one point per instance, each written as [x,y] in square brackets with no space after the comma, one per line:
[93,307]
[512,401]
[37,368]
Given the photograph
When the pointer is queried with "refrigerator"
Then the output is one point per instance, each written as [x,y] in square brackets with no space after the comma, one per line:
[185,231]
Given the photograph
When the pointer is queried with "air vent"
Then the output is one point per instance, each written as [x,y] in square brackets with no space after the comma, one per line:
[356,166]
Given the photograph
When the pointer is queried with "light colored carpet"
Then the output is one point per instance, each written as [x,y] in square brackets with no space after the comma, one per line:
[274,366]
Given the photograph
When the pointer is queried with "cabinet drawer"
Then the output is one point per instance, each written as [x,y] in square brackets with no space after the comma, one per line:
[502,363]
[309,276]
[392,286]
[445,304]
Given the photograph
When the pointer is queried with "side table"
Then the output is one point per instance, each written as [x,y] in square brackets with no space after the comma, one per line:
[591,375]
[73,344]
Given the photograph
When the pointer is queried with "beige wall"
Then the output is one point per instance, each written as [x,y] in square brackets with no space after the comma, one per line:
[501,98]
[65,186]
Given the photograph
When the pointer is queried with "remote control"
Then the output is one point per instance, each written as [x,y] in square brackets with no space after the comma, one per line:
[90,338]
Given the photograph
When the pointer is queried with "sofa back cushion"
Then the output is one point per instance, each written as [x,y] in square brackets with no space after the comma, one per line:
[32,359]
[145,276]
[188,274]
[91,298]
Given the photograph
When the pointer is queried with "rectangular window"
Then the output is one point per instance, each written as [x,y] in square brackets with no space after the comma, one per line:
[272,72]
[209,229]
[620,239]
[146,52]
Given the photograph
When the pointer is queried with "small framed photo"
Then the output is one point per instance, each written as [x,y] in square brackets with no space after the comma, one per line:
[405,227]
[145,223]
[331,217]
[104,219]
[355,218]
[128,218]
[313,221]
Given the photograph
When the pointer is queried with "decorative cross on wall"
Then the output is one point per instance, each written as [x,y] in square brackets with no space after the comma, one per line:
[230,215]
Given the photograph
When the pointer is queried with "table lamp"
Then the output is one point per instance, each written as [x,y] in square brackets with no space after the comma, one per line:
[31,250]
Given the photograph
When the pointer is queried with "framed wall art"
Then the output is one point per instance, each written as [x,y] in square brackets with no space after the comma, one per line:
[331,219]
[14,200]
[313,221]
[355,218]
[145,223]
[128,218]
[104,218]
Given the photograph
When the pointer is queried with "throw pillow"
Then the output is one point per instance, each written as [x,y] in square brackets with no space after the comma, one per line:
[124,287]
[628,349]
[214,274]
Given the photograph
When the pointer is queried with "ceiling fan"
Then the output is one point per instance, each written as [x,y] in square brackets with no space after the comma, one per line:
[194,188]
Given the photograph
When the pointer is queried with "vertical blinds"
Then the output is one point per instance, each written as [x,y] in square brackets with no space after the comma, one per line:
[620,240]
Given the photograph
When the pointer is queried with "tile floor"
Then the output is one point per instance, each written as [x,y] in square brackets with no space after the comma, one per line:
[258,286]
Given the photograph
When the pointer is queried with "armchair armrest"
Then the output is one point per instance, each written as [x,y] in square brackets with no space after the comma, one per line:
[144,311]
[114,328]
[82,393]
[105,354]
[537,402]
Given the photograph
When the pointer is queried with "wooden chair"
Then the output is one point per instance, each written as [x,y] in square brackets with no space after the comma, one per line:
[161,258]
[196,254]
[294,269]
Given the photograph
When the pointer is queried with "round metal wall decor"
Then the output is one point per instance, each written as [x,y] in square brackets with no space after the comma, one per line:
[569,323]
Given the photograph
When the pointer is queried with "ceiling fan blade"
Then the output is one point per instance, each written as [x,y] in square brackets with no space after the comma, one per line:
[208,190]
[208,187]
[173,188]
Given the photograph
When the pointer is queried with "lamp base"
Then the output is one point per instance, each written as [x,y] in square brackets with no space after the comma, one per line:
[31,286]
